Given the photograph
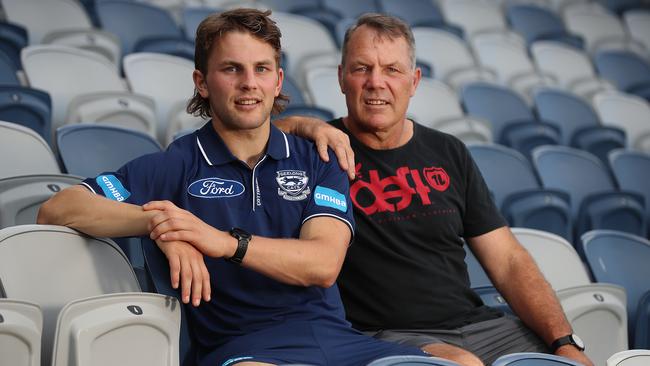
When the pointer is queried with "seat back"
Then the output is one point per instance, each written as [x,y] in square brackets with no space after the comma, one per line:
[595,24]
[566,110]
[23,152]
[324,90]
[568,65]
[87,150]
[134,21]
[413,12]
[619,258]
[632,172]
[13,37]
[352,9]
[625,69]
[411,361]
[21,325]
[628,112]
[638,24]
[535,22]
[504,52]
[22,196]
[536,359]
[597,312]
[166,79]
[473,17]
[28,107]
[642,323]
[457,55]
[192,17]
[434,102]
[8,70]
[555,256]
[67,72]
[136,329]
[84,267]
[633,357]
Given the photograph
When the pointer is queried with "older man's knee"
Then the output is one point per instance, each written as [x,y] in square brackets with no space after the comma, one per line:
[453,353]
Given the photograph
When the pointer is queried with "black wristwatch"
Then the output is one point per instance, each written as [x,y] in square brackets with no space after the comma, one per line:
[571,339]
[243,237]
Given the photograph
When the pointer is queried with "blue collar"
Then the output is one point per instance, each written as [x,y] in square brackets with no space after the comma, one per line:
[215,151]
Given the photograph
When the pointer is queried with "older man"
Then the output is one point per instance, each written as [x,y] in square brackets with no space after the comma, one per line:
[417,193]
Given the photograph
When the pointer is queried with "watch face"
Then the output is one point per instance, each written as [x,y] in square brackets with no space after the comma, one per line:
[239,233]
[578,341]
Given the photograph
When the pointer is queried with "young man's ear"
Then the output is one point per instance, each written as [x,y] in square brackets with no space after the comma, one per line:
[200,84]
[278,88]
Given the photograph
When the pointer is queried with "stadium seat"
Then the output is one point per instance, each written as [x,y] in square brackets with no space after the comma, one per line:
[600,28]
[341,28]
[595,200]
[53,265]
[627,70]
[519,194]
[62,22]
[8,71]
[536,23]
[638,25]
[166,79]
[87,150]
[597,312]
[578,122]
[632,173]
[507,55]
[513,122]
[134,329]
[23,151]
[474,17]
[457,65]
[627,112]
[477,276]
[642,322]
[324,91]
[633,357]
[27,107]
[193,16]
[21,326]
[22,196]
[85,87]
[13,38]
[533,359]
[136,22]
[181,120]
[620,258]
[571,67]
[619,7]
[419,13]
[351,9]
[291,89]
[412,361]
[556,257]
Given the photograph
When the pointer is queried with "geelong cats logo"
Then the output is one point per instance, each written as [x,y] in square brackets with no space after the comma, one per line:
[292,184]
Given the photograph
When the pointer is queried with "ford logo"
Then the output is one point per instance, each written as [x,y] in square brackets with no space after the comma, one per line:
[215,188]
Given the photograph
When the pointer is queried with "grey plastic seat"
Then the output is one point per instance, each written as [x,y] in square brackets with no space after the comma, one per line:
[53,265]
[23,151]
[556,258]
[473,16]
[411,361]
[134,329]
[628,112]
[632,357]
[21,325]
[164,78]
[638,24]
[597,312]
[632,172]
[85,87]
[22,196]
[533,359]
[322,84]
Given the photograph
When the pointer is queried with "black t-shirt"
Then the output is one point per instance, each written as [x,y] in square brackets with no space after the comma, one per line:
[413,205]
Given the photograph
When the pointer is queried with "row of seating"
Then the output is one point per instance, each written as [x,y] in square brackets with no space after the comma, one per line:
[607,300]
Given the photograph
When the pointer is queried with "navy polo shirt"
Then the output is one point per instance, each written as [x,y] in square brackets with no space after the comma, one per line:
[288,186]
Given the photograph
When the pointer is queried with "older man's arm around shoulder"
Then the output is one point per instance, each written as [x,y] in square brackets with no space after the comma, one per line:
[518,279]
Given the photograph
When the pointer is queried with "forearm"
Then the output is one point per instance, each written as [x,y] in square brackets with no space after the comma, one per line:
[298,125]
[94,215]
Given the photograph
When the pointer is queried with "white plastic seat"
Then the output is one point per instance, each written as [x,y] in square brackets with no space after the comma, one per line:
[474,16]
[632,357]
[324,90]
[164,78]
[22,196]
[21,324]
[68,73]
[571,67]
[23,151]
[597,312]
[62,22]
[638,26]
[626,111]
[129,329]
[456,65]
[180,120]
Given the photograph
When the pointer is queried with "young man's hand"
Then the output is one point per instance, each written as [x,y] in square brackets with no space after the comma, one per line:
[187,269]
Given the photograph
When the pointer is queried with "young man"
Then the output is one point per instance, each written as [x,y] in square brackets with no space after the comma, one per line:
[251,221]
[416,195]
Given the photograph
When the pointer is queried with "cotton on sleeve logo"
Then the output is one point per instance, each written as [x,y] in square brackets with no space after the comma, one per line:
[437,178]
[112,187]
[215,188]
[330,198]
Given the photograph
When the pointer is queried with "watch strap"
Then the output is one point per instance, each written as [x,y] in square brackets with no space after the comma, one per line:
[562,341]
[242,245]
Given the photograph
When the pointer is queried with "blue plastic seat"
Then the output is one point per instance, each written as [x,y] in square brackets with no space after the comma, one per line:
[642,323]
[8,70]
[134,22]
[537,23]
[291,89]
[632,173]
[518,192]
[622,259]
[27,107]
[578,122]
[192,17]
[292,6]
[13,38]
[419,13]
[595,200]
[412,361]
[351,9]
[533,359]
[513,122]
[621,6]
[625,69]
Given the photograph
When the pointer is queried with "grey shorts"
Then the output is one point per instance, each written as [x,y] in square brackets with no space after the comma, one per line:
[488,340]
